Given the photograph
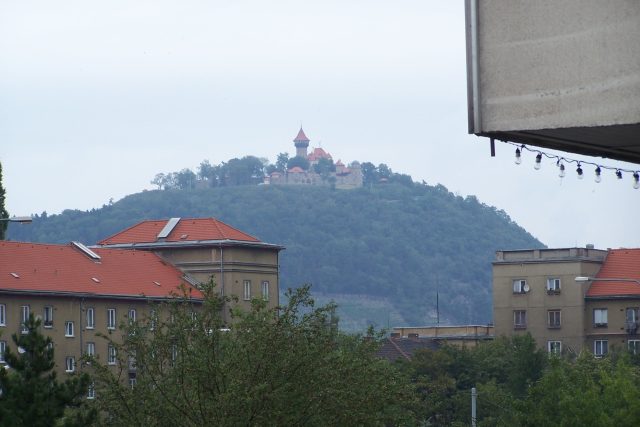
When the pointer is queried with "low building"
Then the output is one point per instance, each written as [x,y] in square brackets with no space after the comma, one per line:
[460,336]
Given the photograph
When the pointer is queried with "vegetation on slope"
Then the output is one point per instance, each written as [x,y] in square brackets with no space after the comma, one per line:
[392,244]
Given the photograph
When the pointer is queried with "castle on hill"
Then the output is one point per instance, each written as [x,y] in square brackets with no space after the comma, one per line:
[340,175]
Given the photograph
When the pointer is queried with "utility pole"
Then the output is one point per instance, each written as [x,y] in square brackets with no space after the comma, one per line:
[474,396]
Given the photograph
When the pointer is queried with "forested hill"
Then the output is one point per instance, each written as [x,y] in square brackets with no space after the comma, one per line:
[379,252]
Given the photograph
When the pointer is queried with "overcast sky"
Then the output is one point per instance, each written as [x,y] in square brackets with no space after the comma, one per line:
[96,97]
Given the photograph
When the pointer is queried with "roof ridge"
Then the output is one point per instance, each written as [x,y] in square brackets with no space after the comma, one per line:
[129,228]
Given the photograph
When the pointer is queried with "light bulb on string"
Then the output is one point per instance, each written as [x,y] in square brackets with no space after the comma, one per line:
[636,180]
[518,158]
[598,177]
[619,174]
[561,166]
[538,162]
[579,171]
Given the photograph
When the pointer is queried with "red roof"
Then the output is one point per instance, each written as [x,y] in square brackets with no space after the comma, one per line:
[301,137]
[619,264]
[296,169]
[187,229]
[317,154]
[34,267]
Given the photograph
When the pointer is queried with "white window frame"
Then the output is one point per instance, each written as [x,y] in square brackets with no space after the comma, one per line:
[112,355]
[635,314]
[91,391]
[553,285]
[132,315]
[265,290]
[518,286]
[600,317]
[47,316]
[24,317]
[519,315]
[552,314]
[3,315]
[111,318]
[554,347]
[634,346]
[70,364]
[91,349]
[153,319]
[598,348]
[69,329]
[246,284]
[3,348]
[91,318]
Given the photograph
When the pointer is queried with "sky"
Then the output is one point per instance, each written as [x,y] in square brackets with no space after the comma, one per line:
[98,97]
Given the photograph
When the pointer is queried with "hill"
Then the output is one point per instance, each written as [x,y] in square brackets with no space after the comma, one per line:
[380,252]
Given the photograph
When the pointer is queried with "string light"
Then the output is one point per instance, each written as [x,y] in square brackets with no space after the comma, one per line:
[561,166]
[560,162]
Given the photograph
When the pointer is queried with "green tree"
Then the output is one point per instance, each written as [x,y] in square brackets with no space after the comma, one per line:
[31,395]
[279,366]
[282,161]
[3,210]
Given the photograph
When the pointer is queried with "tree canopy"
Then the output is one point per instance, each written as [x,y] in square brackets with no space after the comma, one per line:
[278,366]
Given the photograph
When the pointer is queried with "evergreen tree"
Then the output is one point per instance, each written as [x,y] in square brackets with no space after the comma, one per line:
[3,210]
[30,394]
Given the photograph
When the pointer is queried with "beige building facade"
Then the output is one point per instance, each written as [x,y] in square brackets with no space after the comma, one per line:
[534,291]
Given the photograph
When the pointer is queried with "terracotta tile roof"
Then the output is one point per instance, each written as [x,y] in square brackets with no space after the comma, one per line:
[296,169]
[317,154]
[301,137]
[187,230]
[619,264]
[34,267]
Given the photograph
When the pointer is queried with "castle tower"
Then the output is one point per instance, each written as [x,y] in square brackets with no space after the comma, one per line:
[302,143]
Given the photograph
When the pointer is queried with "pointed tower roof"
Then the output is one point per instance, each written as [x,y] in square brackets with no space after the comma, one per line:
[301,136]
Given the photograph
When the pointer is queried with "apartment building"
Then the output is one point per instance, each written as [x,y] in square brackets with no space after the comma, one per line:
[79,293]
[612,304]
[535,291]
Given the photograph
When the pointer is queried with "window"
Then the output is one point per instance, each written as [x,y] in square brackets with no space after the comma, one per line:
[48,316]
[3,348]
[3,315]
[600,316]
[91,318]
[24,317]
[265,290]
[554,347]
[91,349]
[132,315]
[632,314]
[153,319]
[553,319]
[247,290]
[520,319]
[600,347]
[111,355]
[634,346]
[520,286]
[132,379]
[553,285]
[70,363]
[91,391]
[111,318]
[132,361]
[68,329]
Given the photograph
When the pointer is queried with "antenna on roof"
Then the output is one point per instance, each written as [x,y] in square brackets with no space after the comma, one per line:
[88,252]
[168,228]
